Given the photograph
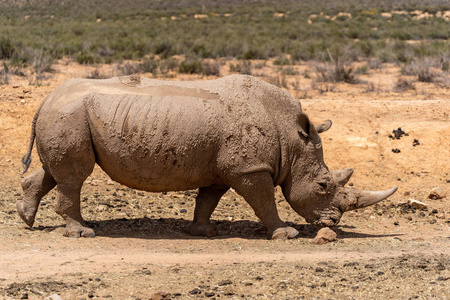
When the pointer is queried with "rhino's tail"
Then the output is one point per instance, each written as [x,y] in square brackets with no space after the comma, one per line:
[26,159]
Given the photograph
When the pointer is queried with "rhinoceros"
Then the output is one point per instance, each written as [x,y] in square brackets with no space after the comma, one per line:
[234,132]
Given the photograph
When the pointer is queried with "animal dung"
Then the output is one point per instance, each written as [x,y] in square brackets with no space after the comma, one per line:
[396,150]
[398,133]
[416,142]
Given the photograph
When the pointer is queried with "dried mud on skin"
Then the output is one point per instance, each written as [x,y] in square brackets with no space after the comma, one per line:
[391,250]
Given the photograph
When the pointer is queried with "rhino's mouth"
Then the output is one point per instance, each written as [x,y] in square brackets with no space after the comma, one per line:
[326,221]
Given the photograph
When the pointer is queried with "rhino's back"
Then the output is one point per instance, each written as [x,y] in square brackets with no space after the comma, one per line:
[156,142]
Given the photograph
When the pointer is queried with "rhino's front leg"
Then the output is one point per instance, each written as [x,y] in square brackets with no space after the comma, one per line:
[68,206]
[205,203]
[258,190]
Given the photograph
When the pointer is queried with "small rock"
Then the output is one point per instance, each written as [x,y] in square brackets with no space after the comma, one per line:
[225,282]
[53,297]
[110,182]
[101,207]
[440,216]
[159,296]
[195,291]
[436,193]
[183,211]
[417,204]
[209,294]
[325,235]
[15,86]
[406,193]
[24,296]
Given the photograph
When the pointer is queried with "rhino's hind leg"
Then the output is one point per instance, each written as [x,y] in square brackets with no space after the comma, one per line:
[258,190]
[68,206]
[205,203]
[35,186]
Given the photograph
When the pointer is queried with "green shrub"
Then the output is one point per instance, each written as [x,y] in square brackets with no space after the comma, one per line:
[7,48]
[242,67]
[190,66]
[282,61]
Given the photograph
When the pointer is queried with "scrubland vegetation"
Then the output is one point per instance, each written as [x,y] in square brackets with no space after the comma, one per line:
[195,36]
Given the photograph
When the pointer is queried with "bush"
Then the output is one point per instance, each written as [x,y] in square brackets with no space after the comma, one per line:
[403,85]
[243,67]
[41,62]
[282,61]
[421,68]
[96,74]
[149,65]
[211,68]
[4,72]
[7,48]
[190,66]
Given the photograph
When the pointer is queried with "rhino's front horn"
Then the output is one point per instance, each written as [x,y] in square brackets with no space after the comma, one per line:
[341,177]
[351,199]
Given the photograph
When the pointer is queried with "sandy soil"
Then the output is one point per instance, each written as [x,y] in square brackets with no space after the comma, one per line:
[388,251]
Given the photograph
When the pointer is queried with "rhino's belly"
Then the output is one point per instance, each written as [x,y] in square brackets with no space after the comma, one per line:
[155,143]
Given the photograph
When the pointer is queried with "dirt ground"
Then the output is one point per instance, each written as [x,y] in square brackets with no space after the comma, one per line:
[389,251]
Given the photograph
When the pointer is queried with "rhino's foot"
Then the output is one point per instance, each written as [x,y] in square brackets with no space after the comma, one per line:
[284,233]
[26,213]
[207,230]
[79,231]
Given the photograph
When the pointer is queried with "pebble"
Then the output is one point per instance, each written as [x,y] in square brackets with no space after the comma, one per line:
[53,297]
[159,296]
[225,282]
[101,207]
[325,235]
[440,216]
[436,193]
[417,204]
[195,291]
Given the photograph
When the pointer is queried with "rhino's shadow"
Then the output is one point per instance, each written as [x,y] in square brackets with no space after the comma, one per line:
[172,228]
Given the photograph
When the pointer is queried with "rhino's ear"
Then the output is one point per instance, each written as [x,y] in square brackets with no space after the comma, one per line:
[324,126]
[306,128]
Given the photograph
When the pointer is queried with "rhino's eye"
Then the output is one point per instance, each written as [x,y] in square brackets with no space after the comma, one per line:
[322,187]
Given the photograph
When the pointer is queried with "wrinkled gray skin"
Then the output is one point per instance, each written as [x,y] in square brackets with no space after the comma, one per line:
[157,136]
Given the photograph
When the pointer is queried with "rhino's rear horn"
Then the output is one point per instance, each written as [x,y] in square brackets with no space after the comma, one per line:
[324,126]
[350,199]
[341,177]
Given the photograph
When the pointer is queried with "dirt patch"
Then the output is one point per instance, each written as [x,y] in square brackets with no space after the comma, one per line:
[391,250]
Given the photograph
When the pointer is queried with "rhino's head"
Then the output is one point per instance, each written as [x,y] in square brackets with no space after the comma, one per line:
[315,192]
